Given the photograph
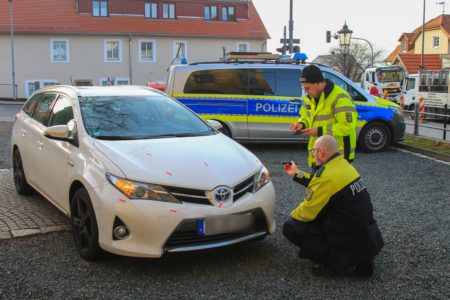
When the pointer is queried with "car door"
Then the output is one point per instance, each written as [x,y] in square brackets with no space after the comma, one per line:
[274,102]
[55,154]
[34,139]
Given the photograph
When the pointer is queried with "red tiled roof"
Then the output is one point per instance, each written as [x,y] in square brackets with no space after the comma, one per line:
[412,62]
[59,16]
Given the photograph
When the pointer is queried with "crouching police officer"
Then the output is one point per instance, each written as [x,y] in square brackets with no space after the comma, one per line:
[334,225]
[327,109]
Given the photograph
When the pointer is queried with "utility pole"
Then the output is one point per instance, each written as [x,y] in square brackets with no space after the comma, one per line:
[291,29]
[422,65]
[12,50]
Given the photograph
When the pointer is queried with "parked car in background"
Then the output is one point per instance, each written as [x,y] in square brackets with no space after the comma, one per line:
[256,100]
[138,173]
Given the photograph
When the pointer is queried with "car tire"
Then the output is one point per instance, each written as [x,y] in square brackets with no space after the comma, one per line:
[225,130]
[84,225]
[20,180]
[374,137]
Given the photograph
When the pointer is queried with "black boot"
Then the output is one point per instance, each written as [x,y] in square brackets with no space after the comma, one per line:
[365,269]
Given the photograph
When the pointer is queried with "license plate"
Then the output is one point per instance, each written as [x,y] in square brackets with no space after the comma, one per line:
[225,224]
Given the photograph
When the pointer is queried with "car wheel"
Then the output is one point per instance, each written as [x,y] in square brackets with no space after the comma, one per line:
[20,181]
[225,130]
[374,137]
[84,225]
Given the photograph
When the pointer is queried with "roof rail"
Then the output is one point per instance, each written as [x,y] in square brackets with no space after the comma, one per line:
[251,56]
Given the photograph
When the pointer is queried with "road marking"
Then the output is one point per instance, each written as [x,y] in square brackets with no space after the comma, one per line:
[424,156]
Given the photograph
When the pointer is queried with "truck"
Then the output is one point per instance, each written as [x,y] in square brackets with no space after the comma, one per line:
[387,79]
[434,88]
[410,92]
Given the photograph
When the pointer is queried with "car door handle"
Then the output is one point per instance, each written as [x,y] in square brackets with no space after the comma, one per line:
[70,163]
[296,100]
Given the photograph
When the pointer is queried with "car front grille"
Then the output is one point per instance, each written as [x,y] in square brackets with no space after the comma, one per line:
[186,235]
[199,196]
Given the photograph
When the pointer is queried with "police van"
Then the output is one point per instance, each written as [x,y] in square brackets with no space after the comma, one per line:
[256,100]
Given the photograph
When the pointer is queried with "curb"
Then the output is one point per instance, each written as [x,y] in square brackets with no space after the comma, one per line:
[4,235]
[430,153]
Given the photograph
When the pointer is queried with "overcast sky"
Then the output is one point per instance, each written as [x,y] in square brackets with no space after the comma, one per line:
[379,21]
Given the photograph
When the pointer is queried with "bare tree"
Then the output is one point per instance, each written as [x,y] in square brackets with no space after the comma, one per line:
[353,62]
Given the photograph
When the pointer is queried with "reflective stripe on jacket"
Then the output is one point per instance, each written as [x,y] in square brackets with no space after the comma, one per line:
[335,114]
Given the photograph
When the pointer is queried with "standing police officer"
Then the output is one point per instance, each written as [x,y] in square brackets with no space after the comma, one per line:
[334,225]
[327,110]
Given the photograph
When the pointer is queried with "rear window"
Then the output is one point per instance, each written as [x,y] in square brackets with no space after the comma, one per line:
[253,81]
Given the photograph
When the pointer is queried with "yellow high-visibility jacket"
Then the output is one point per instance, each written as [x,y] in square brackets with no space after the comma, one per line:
[332,114]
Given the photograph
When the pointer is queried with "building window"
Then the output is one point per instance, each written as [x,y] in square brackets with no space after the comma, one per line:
[179,50]
[404,45]
[228,13]
[113,51]
[211,13]
[147,51]
[33,85]
[59,50]
[151,10]
[169,11]
[110,81]
[436,41]
[242,47]
[100,8]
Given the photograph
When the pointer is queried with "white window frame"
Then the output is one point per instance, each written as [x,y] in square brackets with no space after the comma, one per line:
[106,41]
[52,53]
[247,45]
[102,11]
[114,80]
[141,59]
[153,13]
[168,14]
[436,41]
[42,83]
[175,50]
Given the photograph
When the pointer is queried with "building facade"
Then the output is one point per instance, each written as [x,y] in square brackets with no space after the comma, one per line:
[118,42]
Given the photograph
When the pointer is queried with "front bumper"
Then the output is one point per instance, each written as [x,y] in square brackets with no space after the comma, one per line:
[159,227]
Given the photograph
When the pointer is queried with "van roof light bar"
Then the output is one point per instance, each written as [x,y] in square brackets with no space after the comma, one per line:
[251,56]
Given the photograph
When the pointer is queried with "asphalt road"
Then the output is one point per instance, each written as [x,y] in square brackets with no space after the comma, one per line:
[410,195]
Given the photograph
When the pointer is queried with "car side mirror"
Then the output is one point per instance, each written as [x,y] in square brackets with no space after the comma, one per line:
[66,133]
[215,124]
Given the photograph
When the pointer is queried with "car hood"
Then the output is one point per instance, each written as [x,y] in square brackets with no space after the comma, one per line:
[385,102]
[193,162]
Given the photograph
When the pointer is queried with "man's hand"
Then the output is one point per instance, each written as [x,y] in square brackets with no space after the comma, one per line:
[310,131]
[294,127]
[291,168]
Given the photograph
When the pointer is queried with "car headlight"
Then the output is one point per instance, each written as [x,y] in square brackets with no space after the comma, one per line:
[141,190]
[261,179]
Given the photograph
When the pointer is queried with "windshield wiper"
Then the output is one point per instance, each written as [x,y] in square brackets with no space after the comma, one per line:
[116,137]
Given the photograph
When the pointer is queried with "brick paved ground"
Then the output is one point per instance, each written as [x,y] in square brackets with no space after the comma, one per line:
[20,215]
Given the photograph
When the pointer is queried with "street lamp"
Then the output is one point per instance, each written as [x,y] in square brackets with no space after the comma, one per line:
[345,35]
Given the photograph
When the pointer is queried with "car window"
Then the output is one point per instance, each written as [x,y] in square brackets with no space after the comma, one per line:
[62,112]
[356,96]
[288,83]
[261,82]
[223,81]
[139,117]
[43,108]
[31,103]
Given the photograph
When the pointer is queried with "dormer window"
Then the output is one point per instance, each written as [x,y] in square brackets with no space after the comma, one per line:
[100,8]
[404,45]
[168,11]
[151,10]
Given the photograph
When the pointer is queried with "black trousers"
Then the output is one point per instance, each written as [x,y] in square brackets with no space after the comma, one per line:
[295,231]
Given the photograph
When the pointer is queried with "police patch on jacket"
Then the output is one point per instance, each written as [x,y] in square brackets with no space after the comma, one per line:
[309,194]
[349,117]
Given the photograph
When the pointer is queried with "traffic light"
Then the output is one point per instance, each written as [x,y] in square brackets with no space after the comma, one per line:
[328,36]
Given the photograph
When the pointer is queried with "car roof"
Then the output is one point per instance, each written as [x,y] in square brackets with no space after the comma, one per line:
[244,65]
[90,91]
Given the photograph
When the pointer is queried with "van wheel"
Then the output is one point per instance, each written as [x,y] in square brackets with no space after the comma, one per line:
[374,137]
[225,130]
[84,225]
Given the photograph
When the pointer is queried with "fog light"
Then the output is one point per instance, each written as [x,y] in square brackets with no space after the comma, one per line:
[120,232]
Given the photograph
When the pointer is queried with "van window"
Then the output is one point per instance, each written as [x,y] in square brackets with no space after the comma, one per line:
[356,96]
[261,82]
[223,81]
[288,83]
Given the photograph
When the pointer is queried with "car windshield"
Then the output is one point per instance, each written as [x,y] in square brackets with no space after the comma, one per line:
[138,117]
[390,76]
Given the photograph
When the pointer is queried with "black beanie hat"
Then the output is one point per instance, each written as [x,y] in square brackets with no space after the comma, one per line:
[311,74]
